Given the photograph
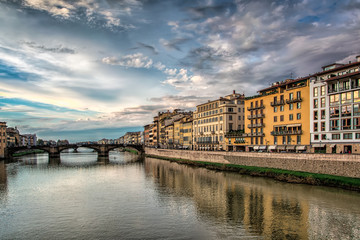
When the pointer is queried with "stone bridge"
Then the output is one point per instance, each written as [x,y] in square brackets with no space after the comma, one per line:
[54,151]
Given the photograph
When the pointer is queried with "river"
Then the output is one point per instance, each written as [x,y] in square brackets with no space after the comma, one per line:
[81,198]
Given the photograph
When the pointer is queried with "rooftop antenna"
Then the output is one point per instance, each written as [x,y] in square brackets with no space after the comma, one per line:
[291,75]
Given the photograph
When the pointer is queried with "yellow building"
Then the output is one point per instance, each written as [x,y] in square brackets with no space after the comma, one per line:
[183,133]
[214,119]
[169,135]
[3,139]
[278,119]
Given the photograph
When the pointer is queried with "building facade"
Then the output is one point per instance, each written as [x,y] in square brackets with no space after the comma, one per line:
[277,119]
[214,119]
[3,139]
[335,108]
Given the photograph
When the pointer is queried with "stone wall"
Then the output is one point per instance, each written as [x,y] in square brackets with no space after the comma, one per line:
[347,165]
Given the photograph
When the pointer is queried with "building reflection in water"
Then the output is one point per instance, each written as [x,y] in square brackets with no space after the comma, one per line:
[263,207]
[3,181]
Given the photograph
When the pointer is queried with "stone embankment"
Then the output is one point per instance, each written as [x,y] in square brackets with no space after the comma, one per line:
[345,165]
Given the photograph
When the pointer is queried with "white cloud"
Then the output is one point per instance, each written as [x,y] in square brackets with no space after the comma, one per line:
[136,60]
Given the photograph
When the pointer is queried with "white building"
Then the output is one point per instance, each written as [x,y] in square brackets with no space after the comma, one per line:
[335,108]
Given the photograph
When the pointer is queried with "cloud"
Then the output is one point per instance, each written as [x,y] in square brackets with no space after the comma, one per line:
[152,49]
[58,49]
[173,43]
[136,60]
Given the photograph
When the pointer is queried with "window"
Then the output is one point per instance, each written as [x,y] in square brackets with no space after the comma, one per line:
[316,91]
[346,110]
[281,118]
[322,126]
[275,109]
[335,136]
[281,108]
[275,140]
[289,139]
[284,140]
[275,118]
[316,103]
[347,135]
[298,116]
[298,95]
[357,96]
[291,106]
[315,115]
[357,123]
[230,110]
[346,123]
[323,116]
[230,118]
[334,112]
[316,137]
[239,109]
[346,97]
[298,139]
[291,96]
[356,111]
[323,136]
[291,117]
[230,126]
[357,135]
[334,124]
[322,90]
[298,105]
[334,99]
[315,127]
[322,102]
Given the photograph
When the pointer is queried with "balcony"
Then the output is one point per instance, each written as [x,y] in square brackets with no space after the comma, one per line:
[277,103]
[256,134]
[207,142]
[261,115]
[239,133]
[256,125]
[294,100]
[255,107]
[281,133]
[240,141]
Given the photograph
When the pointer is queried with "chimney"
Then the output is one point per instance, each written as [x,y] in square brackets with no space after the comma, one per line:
[234,90]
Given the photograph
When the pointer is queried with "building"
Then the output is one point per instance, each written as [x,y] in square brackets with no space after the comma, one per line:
[165,122]
[132,138]
[214,119]
[13,137]
[147,129]
[277,119]
[3,139]
[335,108]
[28,140]
[183,133]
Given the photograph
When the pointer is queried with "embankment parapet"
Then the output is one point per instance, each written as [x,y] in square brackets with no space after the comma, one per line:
[347,165]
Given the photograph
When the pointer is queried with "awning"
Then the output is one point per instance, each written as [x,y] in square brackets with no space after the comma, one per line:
[332,145]
[291,147]
[256,147]
[318,145]
[294,125]
[300,147]
[281,147]
[262,147]
[272,147]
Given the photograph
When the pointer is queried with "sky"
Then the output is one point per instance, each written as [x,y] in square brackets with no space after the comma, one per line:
[85,69]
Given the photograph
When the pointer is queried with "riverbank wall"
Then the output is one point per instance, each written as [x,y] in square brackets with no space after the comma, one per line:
[344,165]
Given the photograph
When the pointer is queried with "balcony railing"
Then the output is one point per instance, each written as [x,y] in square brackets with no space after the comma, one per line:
[207,142]
[277,103]
[239,133]
[279,133]
[240,141]
[255,107]
[294,100]
[256,125]
[261,115]
[256,134]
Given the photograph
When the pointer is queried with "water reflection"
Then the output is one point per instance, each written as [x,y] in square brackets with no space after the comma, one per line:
[3,182]
[263,207]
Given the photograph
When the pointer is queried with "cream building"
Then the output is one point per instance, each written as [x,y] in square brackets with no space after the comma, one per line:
[214,119]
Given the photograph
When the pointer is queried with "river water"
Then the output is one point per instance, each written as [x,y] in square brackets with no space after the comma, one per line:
[81,198]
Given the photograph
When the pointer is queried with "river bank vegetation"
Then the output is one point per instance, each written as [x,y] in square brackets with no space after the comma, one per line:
[278,174]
